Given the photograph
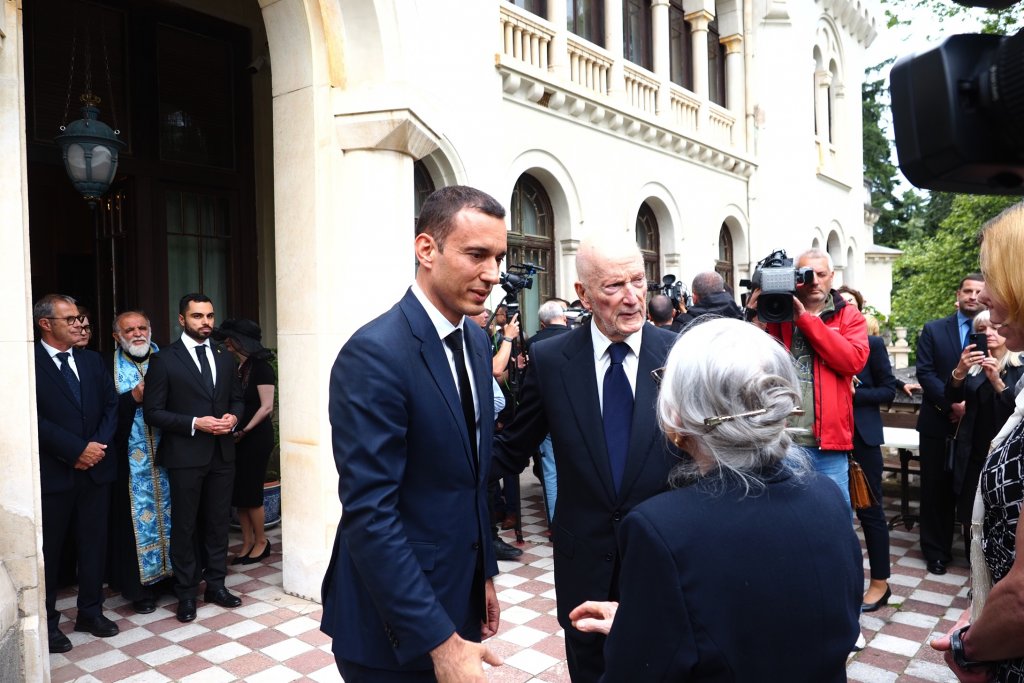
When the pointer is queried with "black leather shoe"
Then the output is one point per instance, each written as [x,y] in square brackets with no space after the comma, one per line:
[936,567]
[504,551]
[881,602]
[222,597]
[144,606]
[241,558]
[187,610]
[99,626]
[59,643]
[259,558]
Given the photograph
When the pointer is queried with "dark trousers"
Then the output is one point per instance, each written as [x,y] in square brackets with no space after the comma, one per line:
[872,519]
[938,501]
[357,673]
[83,511]
[584,653]
[200,494]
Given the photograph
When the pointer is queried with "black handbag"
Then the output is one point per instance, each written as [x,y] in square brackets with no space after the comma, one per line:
[950,463]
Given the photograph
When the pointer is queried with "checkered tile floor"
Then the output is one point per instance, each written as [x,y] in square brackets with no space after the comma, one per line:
[273,637]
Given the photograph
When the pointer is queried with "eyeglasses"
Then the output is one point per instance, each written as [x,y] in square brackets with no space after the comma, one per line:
[70,320]
[87,329]
[997,326]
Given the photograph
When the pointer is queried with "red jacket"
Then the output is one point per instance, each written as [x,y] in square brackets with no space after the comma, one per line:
[840,342]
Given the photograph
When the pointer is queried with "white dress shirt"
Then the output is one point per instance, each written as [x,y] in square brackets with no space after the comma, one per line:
[630,364]
[190,346]
[56,361]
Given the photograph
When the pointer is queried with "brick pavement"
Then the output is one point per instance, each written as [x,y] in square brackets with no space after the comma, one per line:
[275,638]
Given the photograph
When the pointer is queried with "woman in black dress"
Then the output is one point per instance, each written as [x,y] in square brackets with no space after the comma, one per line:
[254,437]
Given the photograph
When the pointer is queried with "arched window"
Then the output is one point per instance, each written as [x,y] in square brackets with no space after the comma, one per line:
[585,18]
[636,32]
[423,185]
[531,239]
[724,264]
[538,7]
[648,238]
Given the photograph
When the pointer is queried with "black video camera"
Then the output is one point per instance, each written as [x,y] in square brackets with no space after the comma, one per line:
[516,279]
[958,112]
[777,279]
[673,288]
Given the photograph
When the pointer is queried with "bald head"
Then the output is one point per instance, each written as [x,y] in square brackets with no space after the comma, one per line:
[612,284]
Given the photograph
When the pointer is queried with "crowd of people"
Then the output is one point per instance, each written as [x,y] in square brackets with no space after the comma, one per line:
[701,465]
[143,448]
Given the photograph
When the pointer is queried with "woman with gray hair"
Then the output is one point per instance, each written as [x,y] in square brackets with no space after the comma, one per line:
[749,569]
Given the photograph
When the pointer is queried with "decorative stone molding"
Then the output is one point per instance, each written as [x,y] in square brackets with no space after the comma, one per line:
[600,112]
[398,130]
[852,15]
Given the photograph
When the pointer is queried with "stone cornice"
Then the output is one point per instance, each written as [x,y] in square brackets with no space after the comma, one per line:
[852,15]
[588,109]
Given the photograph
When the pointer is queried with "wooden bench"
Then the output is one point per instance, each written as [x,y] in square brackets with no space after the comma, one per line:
[901,435]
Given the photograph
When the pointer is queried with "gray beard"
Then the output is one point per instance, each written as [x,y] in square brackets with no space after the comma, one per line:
[134,351]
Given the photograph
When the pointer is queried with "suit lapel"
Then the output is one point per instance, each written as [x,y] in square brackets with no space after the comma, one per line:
[437,365]
[49,368]
[187,359]
[479,357]
[644,429]
[954,334]
[579,378]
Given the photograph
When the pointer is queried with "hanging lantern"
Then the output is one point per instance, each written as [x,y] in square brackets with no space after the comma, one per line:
[90,149]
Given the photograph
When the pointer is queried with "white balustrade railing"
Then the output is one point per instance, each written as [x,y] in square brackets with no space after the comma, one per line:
[685,109]
[721,122]
[641,89]
[524,38]
[588,68]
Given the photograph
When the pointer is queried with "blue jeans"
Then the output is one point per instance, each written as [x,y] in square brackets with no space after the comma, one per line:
[835,465]
[547,467]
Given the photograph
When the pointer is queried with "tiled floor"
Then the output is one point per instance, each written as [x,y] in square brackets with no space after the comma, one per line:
[273,637]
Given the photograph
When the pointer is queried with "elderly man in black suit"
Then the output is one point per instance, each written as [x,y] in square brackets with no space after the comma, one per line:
[193,396]
[77,416]
[938,352]
[593,391]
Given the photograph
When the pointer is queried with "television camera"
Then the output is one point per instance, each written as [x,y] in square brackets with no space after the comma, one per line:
[777,279]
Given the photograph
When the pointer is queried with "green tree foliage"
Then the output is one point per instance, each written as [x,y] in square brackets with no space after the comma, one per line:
[930,269]
[879,171]
[951,14]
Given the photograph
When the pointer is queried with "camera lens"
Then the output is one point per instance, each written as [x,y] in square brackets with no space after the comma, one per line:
[1007,84]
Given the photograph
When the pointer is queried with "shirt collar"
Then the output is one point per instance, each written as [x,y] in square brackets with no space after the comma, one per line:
[961,319]
[53,352]
[441,324]
[601,342]
[191,343]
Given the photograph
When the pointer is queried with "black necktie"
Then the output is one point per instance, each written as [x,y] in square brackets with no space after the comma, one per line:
[69,376]
[454,342]
[618,411]
[204,367]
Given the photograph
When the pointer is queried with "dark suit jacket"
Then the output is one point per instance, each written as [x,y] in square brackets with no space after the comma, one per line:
[877,386]
[727,587]
[65,427]
[175,394]
[560,397]
[938,352]
[413,545]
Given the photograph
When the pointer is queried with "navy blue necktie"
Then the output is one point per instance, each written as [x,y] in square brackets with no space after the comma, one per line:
[69,376]
[454,342]
[965,336]
[204,367]
[618,412]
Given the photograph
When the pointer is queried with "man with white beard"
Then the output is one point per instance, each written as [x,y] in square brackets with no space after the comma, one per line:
[141,507]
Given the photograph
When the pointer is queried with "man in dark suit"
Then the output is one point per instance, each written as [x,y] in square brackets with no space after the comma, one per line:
[408,592]
[193,396]
[77,416]
[938,351]
[592,390]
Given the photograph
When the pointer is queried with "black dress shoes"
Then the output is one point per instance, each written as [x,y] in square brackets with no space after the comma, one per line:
[936,567]
[259,558]
[222,597]
[241,558]
[881,602]
[186,610]
[59,643]
[99,626]
[144,606]
[504,551]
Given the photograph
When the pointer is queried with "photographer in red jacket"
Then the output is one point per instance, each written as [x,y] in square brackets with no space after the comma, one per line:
[829,341]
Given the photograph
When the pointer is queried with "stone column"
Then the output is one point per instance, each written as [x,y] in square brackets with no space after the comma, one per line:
[699,32]
[613,43]
[734,77]
[559,63]
[660,45]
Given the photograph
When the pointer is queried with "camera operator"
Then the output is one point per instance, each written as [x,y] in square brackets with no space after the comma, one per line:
[829,340]
[660,311]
